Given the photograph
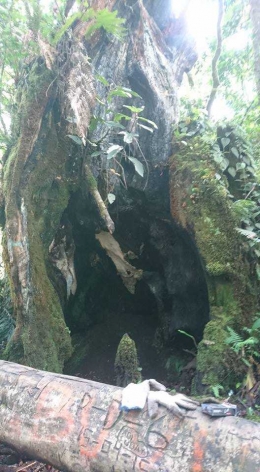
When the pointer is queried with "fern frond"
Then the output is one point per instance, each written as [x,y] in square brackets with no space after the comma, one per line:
[216,389]
[234,337]
[248,234]
[252,341]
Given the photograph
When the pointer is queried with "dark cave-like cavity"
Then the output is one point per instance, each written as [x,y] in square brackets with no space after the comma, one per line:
[172,294]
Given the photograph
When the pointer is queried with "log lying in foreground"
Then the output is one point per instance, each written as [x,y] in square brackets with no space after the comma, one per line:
[76,425]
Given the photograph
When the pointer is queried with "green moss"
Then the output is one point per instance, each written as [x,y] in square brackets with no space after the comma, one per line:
[200,203]
[126,363]
[41,338]
[207,208]
[253,417]
[91,181]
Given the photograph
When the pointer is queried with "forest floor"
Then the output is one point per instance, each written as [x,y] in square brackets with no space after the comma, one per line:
[11,461]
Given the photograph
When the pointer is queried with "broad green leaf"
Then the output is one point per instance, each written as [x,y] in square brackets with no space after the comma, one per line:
[148,121]
[240,166]
[232,171]
[95,153]
[235,151]
[218,158]
[134,94]
[145,127]
[247,160]
[121,116]
[225,163]
[102,79]
[75,138]
[128,137]
[111,198]
[225,142]
[118,93]
[138,165]
[113,151]
[256,325]
[134,109]
[113,124]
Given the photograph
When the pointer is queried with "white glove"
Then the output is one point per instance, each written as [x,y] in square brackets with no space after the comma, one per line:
[171,402]
[134,396]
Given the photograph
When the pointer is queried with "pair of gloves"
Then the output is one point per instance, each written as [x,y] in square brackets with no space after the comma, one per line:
[134,397]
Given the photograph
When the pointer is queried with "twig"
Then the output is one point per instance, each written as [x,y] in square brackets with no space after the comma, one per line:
[123,172]
[92,187]
[249,193]
[215,77]
[24,467]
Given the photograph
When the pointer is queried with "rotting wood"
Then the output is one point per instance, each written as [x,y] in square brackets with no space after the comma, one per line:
[76,425]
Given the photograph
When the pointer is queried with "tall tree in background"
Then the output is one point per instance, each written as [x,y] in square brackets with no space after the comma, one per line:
[255,18]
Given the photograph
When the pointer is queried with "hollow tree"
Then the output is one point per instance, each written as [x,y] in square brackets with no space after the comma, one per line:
[102,212]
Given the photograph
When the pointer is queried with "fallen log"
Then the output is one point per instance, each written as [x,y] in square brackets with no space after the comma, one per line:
[76,425]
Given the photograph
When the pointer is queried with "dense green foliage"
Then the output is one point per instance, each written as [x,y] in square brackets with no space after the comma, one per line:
[23,24]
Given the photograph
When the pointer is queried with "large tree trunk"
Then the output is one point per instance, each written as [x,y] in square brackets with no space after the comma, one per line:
[77,426]
[255,18]
[146,264]
[44,168]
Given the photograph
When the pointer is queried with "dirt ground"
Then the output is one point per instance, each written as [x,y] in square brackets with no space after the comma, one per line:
[11,461]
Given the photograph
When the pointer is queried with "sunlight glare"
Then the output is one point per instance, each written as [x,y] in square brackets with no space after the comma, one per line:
[201,19]
[221,110]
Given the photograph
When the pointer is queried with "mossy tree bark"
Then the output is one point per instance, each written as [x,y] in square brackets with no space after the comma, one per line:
[36,180]
[30,170]
[201,204]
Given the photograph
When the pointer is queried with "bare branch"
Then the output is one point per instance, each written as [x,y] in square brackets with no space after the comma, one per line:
[215,77]
[92,187]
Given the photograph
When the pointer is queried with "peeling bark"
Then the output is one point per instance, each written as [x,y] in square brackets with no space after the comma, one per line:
[76,425]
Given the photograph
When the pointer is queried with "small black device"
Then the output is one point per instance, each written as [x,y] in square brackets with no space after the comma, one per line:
[215,409]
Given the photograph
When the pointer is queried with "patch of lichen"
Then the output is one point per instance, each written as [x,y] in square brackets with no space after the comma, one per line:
[126,363]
